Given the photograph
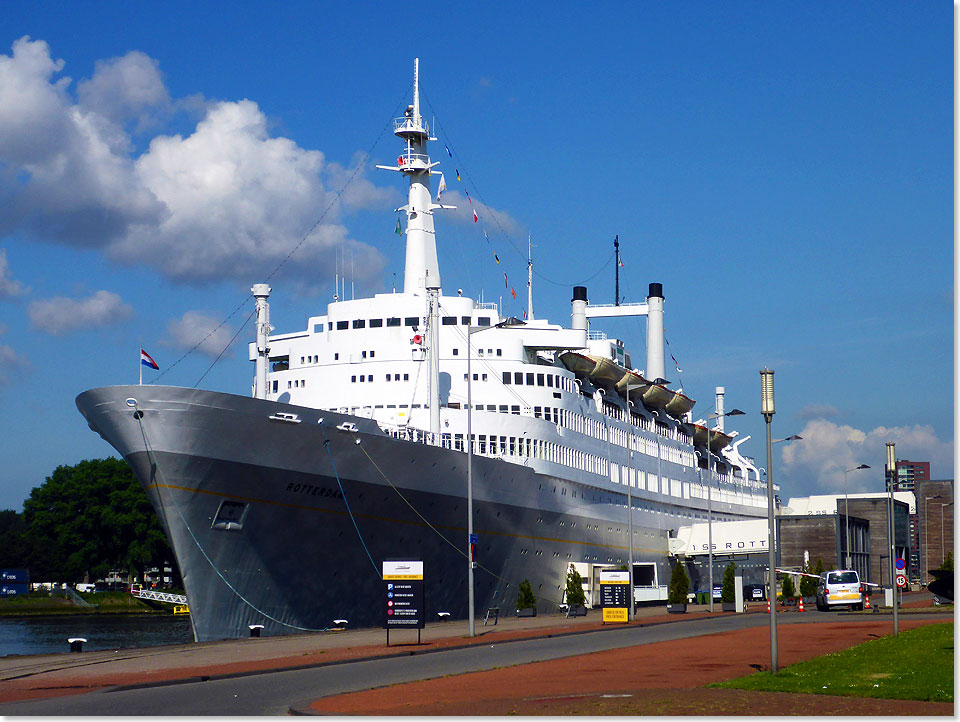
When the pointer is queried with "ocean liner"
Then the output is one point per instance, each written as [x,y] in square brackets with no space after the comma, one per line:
[364,431]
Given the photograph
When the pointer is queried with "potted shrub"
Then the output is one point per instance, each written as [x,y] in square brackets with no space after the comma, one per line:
[576,599]
[526,601]
[679,587]
[728,593]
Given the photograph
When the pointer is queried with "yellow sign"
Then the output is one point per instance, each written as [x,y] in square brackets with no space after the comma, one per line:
[615,614]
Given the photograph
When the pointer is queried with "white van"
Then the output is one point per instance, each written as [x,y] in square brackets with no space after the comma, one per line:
[839,588]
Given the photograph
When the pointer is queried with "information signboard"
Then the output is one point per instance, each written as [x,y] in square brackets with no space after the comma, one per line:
[403,595]
[615,595]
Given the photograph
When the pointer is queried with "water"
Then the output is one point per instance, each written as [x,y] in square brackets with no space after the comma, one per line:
[47,635]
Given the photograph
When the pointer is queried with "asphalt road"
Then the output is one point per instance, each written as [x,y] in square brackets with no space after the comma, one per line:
[276,692]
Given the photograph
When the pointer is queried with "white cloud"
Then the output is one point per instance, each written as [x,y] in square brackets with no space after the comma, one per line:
[125,88]
[10,361]
[196,328]
[8,286]
[816,464]
[495,221]
[817,411]
[60,315]
[224,201]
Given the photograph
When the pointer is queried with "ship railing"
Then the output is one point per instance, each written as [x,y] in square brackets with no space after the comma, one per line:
[486,305]
[417,160]
[408,123]
[596,336]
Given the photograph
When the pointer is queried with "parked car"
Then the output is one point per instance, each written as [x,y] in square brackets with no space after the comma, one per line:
[839,588]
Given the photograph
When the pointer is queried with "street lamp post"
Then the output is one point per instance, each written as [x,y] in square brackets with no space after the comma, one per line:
[926,538]
[471,564]
[891,475]
[711,417]
[846,508]
[767,409]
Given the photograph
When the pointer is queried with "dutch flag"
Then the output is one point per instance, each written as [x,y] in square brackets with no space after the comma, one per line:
[147,360]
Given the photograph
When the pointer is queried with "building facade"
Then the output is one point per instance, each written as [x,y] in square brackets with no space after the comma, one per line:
[935,523]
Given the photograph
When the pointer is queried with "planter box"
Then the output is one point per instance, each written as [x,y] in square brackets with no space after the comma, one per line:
[577,610]
[677,608]
[529,612]
[729,606]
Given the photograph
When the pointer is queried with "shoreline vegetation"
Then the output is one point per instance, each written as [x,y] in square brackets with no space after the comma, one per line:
[41,604]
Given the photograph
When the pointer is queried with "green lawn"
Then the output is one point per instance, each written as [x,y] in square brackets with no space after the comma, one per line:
[916,665]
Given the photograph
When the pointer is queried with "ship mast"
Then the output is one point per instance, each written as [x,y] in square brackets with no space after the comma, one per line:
[421,274]
[529,281]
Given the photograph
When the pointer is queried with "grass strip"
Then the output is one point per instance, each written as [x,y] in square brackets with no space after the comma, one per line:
[917,665]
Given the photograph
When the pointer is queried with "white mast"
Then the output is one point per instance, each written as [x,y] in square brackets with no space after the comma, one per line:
[261,292]
[529,281]
[421,274]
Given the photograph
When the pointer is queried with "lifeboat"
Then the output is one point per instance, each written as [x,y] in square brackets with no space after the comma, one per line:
[679,405]
[631,378]
[579,364]
[606,372]
[718,439]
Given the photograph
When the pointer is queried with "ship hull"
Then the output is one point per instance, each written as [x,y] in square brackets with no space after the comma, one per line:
[278,517]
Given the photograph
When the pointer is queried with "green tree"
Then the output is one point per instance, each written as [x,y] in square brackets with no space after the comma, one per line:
[679,584]
[788,590]
[525,596]
[89,518]
[728,593]
[575,593]
[808,585]
[818,568]
[13,540]
[947,563]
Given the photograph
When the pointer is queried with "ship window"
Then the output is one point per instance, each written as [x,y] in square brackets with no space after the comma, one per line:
[359,323]
[480,352]
[483,321]
[376,322]
[506,377]
[274,386]
[456,352]
[499,352]
[503,408]
[449,321]
[540,380]
[303,360]
[372,354]
[396,377]
[362,378]
[406,377]
[529,379]
[230,515]
[388,377]
[289,384]
[363,354]
[411,321]
[329,325]
[484,377]
[336,357]
[517,377]
[550,381]
[342,325]
[536,412]
[465,320]
[353,379]
[515,410]
[393,321]
[476,377]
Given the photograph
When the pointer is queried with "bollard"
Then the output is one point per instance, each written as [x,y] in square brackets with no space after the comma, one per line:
[76,644]
[255,630]
[768,606]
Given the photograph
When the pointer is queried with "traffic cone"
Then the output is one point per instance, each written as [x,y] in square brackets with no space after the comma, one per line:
[866,601]
[800,607]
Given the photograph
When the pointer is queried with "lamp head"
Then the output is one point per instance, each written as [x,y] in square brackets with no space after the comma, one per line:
[766,392]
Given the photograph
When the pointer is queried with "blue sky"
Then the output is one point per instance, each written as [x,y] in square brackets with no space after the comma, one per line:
[783,169]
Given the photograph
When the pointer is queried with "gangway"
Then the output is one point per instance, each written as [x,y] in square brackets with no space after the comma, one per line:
[141,593]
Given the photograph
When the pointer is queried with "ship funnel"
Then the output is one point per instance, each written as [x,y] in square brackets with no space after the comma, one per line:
[720,392]
[578,310]
[655,332]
